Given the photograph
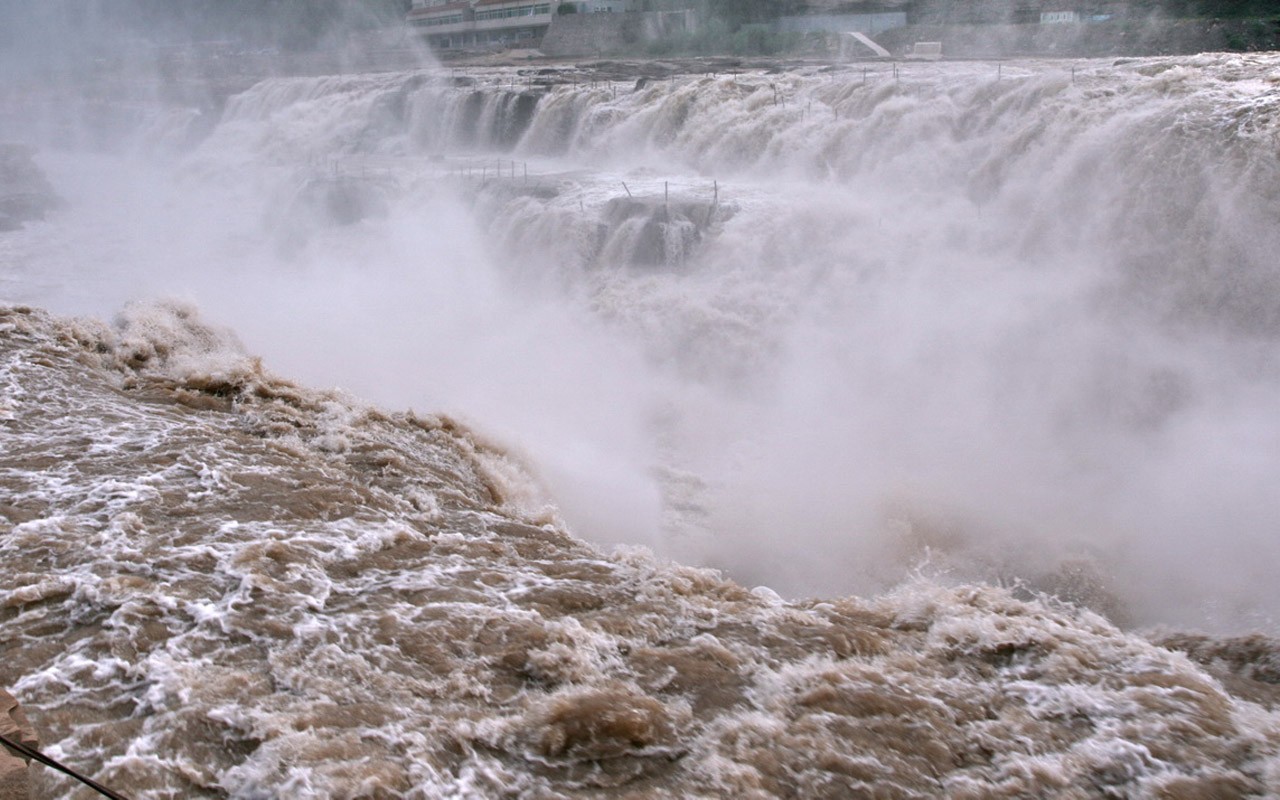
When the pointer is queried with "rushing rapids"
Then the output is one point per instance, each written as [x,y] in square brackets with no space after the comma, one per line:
[225,584]
[994,349]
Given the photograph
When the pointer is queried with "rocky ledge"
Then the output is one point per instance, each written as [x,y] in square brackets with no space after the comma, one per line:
[13,767]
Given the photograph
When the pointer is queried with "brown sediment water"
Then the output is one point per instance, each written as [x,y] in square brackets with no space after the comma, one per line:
[983,353]
[221,583]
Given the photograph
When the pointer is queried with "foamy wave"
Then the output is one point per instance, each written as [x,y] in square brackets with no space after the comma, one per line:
[220,600]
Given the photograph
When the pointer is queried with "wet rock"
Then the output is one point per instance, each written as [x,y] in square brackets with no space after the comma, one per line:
[25,193]
[657,231]
[14,781]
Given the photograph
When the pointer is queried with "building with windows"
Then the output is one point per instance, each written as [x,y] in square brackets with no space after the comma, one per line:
[1047,17]
[452,24]
[604,6]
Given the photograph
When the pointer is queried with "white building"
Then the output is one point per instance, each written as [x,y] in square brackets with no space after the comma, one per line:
[603,6]
[498,23]
[1047,17]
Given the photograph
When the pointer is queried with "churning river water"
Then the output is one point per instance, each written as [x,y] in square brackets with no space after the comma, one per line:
[986,357]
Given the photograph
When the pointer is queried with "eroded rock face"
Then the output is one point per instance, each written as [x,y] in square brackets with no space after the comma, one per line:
[13,767]
[25,193]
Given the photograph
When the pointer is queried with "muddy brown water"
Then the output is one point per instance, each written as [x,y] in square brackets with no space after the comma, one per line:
[218,583]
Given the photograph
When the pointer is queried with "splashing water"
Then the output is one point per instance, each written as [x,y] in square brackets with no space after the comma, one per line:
[831,334]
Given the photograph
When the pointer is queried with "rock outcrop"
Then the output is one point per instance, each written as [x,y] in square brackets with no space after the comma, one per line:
[14,783]
[25,193]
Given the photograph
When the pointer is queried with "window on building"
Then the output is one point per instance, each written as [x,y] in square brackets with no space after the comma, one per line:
[450,19]
[517,11]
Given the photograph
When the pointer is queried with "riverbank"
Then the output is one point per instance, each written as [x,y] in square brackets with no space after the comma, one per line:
[1108,38]
[1091,40]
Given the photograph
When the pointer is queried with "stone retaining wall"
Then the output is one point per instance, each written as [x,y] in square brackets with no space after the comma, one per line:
[594,34]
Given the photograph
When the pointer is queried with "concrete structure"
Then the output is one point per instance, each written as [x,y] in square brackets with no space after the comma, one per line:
[856,43]
[482,23]
[925,51]
[452,24]
[603,6]
[843,7]
[979,12]
[589,34]
[871,23]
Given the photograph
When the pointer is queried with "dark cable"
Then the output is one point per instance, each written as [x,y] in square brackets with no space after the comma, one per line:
[32,753]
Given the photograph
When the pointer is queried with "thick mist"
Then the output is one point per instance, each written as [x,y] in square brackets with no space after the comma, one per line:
[1013,326]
